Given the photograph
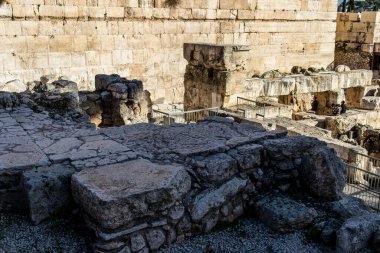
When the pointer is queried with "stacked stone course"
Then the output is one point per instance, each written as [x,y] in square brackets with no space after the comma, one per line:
[356,36]
[144,39]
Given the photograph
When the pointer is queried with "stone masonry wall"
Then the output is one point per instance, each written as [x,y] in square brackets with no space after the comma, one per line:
[144,38]
[355,38]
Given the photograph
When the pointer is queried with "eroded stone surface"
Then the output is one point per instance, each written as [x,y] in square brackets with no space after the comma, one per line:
[356,233]
[283,214]
[20,152]
[114,198]
[48,190]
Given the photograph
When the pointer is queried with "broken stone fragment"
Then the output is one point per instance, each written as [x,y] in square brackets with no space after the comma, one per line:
[356,233]
[217,168]
[156,238]
[102,81]
[322,173]
[211,200]
[48,191]
[283,214]
[342,68]
[271,74]
[8,100]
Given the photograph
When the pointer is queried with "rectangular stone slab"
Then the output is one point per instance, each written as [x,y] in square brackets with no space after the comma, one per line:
[114,195]
[20,152]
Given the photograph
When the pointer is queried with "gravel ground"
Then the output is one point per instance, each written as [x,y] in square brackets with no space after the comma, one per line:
[18,235]
[248,235]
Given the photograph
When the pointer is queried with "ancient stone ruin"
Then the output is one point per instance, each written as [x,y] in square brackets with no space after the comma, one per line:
[144,186]
[149,123]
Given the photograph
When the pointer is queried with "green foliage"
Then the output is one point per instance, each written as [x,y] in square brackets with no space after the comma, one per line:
[359,6]
[369,5]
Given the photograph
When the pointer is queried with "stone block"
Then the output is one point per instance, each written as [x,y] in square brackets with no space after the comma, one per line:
[283,214]
[113,198]
[225,58]
[323,173]
[48,191]
[370,103]
[212,200]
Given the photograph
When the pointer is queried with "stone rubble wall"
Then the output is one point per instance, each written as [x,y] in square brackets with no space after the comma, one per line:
[214,181]
[186,178]
[117,101]
[144,39]
[356,34]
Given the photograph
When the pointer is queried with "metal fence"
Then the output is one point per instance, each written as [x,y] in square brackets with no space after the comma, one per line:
[260,107]
[363,181]
[168,118]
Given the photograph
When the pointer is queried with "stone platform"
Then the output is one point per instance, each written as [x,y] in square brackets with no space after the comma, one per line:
[143,186]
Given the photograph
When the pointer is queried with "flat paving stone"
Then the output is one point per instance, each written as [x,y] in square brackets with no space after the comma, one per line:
[20,152]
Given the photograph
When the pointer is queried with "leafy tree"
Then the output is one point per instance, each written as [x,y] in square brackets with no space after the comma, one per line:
[358,6]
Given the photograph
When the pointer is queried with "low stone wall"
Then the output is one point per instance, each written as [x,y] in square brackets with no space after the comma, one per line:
[142,186]
[216,180]
[301,84]
[116,101]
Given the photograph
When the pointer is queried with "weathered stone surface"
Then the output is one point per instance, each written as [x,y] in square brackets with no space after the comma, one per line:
[248,156]
[348,207]
[48,190]
[156,238]
[137,242]
[271,74]
[20,152]
[90,149]
[217,168]
[322,173]
[63,145]
[283,214]
[356,233]
[62,86]
[371,103]
[292,147]
[302,84]
[325,230]
[102,81]
[339,125]
[342,68]
[209,200]
[8,100]
[221,57]
[113,198]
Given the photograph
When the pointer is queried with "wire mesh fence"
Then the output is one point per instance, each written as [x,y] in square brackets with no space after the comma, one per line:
[364,185]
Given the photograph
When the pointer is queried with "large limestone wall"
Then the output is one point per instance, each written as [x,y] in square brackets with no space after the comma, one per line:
[355,38]
[143,39]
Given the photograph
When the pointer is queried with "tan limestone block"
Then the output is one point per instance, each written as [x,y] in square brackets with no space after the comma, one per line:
[115,12]
[60,44]
[78,60]
[97,12]
[71,12]
[37,44]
